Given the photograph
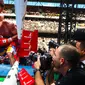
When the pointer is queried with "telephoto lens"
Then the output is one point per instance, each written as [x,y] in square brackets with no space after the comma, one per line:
[45,60]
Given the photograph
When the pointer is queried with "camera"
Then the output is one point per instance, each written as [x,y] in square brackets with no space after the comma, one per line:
[53,44]
[45,60]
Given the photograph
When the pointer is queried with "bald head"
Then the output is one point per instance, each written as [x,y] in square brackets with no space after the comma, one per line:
[69,53]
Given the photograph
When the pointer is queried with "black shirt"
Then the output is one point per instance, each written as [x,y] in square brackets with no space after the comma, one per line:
[75,76]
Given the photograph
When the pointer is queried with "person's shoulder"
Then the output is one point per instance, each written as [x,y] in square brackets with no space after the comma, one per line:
[76,72]
[72,79]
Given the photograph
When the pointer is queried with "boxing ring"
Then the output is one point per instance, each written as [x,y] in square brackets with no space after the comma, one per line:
[9,75]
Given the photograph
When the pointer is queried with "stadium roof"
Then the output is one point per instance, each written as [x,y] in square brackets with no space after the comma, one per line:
[58,1]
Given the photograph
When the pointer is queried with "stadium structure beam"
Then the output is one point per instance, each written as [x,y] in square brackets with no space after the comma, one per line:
[64,24]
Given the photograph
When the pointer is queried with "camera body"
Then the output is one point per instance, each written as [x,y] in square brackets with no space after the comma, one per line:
[45,60]
[53,44]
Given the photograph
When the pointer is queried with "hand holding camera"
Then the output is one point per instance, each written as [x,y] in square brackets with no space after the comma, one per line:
[41,61]
[37,64]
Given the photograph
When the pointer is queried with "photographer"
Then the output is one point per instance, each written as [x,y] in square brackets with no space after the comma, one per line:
[51,74]
[66,61]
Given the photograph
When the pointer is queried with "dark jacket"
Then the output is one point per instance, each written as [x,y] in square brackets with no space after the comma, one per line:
[74,76]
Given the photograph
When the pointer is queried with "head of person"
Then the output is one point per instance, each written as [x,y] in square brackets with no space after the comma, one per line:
[80,45]
[1,5]
[66,55]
